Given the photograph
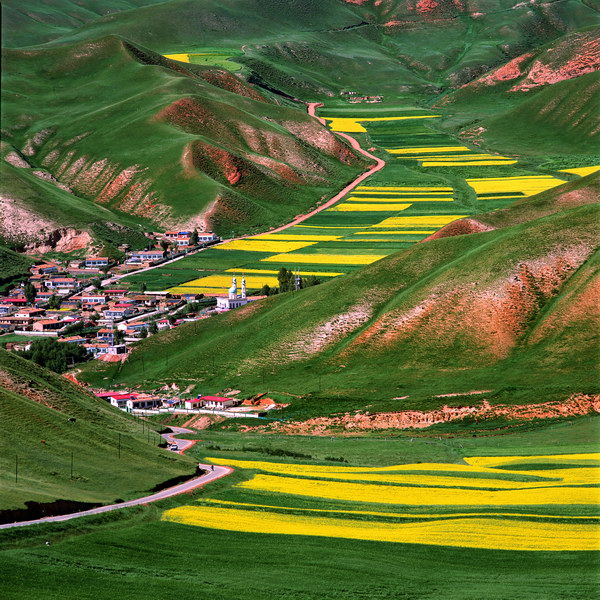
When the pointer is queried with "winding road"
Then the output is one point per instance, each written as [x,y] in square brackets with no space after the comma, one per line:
[312,107]
[214,472]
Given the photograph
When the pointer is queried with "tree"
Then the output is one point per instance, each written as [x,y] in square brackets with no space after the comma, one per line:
[266,290]
[94,317]
[54,355]
[30,292]
[97,283]
[119,336]
[165,244]
[194,238]
[171,319]
[153,327]
[286,280]
[54,302]
[144,333]
[143,287]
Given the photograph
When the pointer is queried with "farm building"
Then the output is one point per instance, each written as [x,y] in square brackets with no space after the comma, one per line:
[218,402]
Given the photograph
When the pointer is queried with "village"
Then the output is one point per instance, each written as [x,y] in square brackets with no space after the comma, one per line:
[81,302]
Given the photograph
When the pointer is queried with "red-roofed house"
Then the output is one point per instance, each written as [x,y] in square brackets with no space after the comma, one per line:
[218,401]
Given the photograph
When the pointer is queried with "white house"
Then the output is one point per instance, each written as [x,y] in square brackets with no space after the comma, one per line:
[218,402]
[233,300]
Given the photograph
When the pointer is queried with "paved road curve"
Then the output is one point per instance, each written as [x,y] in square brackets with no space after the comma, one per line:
[182,488]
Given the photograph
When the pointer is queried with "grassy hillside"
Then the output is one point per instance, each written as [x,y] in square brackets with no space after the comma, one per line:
[487,305]
[48,421]
[143,135]
[13,267]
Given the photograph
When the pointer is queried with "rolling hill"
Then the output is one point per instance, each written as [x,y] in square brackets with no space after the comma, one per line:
[147,137]
[47,422]
[508,308]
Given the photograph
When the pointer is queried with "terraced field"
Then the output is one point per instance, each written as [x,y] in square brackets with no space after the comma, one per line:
[430,179]
[524,503]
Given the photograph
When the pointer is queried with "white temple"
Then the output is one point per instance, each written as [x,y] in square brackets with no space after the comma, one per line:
[233,299]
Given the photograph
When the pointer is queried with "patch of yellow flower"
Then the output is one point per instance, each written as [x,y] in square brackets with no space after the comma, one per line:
[581,171]
[379,207]
[430,150]
[472,163]
[274,272]
[179,57]
[528,185]
[478,532]
[405,189]
[404,199]
[296,237]
[352,125]
[222,282]
[325,259]
[197,290]
[264,246]
[420,221]
[400,232]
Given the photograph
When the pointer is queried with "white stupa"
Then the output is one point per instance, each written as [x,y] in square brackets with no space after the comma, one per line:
[233,300]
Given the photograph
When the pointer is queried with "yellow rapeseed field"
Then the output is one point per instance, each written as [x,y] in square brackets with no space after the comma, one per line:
[401,232]
[420,221]
[197,290]
[581,171]
[274,272]
[264,246]
[422,496]
[405,189]
[379,207]
[404,199]
[325,259]
[352,125]
[431,150]
[473,163]
[179,57]
[478,532]
[291,237]
[527,185]
[222,282]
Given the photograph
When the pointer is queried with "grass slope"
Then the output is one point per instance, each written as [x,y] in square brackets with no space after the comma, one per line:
[13,267]
[487,305]
[46,420]
[169,143]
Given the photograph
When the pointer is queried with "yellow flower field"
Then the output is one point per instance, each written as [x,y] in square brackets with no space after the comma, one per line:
[179,57]
[581,171]
[198,290]
[274,272]
[352,125]
[420,221]
[379,207]
[470,488]
[429,150]
[405,189]
[326,259]
[402,232]
[472,163]
[223,282]
[263,246]
[407,199]
[527,185]
[476,532]
[296,237]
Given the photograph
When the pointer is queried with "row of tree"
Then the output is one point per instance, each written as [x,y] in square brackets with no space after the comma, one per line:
[288,282]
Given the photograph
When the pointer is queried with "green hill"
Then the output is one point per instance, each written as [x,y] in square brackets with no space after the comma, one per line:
[142,135]
[503,310]
[47,421]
